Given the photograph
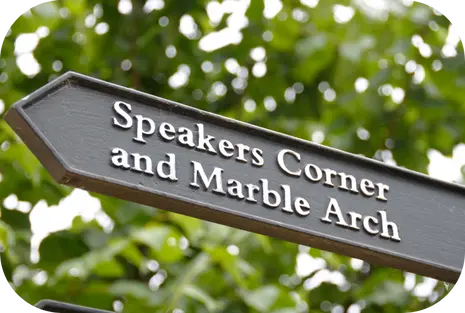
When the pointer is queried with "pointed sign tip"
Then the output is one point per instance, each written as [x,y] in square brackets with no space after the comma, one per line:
[68,75]
[44,90]
[71,75]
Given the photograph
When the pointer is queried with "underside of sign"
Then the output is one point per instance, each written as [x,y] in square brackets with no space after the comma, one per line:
[120,142]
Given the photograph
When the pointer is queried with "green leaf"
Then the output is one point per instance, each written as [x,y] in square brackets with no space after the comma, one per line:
[100,262]
[16,219]
[229,263]
[47,10]
[163,240]
[76,6]
[390,293]
[193,227]
[308,46]
[285,310]
[133,255]
[198,294]
[264,242]
[135,289]
[7,257]
[261,299]
[153,236]
[7,236]
[109,268]
[194,268]
[60,246]
[377,278]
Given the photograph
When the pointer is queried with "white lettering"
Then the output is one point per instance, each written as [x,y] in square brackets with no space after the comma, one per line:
[300,204]
[204,140]
[242,149]
[120,158]
[206,181]
[386,225]
[334,209]
[280,159]
[257,157]
[316,169]
[186,137]
[266,195]
[170,165]
[367,187]
[382,188]
[367,226]
[235,189]
[251,189]
[287,199]
[329,173]
[167,131]
[138,166]
[354,218]
[226,148]
[344,180]
[123,114]
[141,130]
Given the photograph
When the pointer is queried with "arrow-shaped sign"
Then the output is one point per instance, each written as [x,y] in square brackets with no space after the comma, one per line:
[120,142]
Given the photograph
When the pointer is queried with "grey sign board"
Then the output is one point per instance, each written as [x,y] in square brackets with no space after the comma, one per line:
[120,142]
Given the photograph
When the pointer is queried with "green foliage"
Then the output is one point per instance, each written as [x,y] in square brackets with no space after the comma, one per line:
[379,85]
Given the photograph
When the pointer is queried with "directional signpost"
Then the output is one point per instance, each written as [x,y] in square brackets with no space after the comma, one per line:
[120,142]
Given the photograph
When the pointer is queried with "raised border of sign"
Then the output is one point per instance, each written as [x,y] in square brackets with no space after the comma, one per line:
[62,307]
[65,174]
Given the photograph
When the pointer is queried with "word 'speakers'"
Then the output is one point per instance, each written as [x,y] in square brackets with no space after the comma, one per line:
[119,142]
[195,137]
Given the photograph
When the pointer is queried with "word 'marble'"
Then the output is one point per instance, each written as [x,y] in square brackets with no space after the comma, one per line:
[216,180]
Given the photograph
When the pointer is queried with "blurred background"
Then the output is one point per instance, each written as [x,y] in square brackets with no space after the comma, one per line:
[380,78]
